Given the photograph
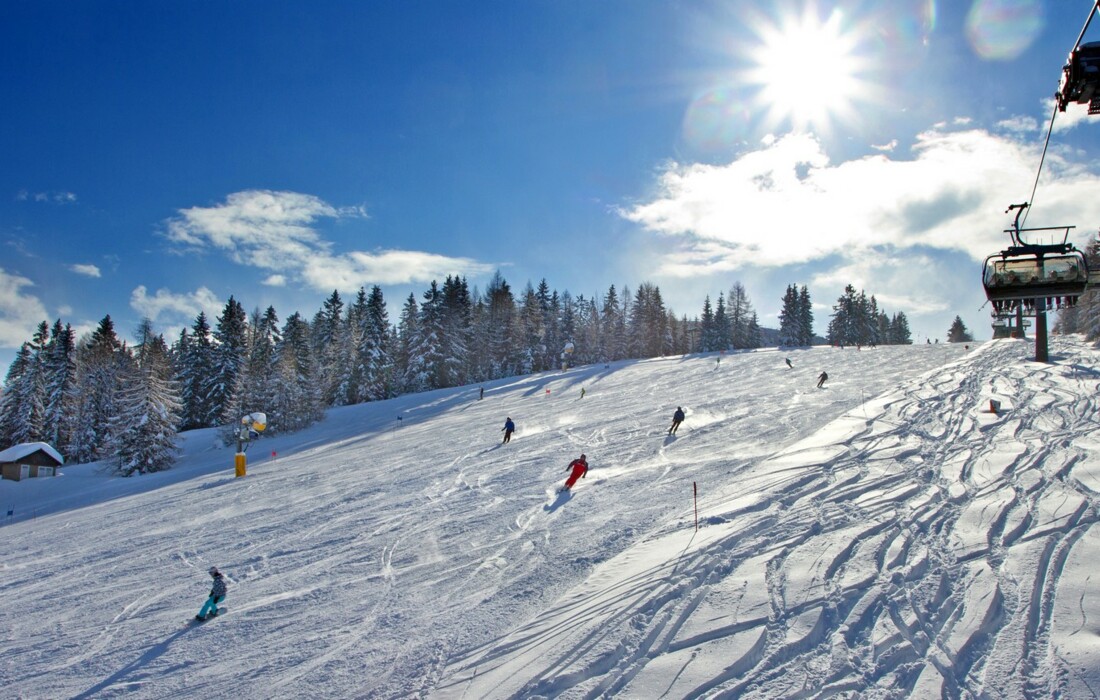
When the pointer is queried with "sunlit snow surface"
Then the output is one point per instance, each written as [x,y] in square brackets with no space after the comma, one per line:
[881,537]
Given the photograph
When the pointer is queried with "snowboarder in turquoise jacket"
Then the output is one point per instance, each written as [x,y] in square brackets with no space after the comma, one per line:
[217,595]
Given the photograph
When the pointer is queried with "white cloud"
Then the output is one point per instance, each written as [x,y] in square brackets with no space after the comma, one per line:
[1064,121]
[886,147]
[174,307]
[1019,124]
[788,204]
[87,270]
[20,313]
[275,231]
[904,279]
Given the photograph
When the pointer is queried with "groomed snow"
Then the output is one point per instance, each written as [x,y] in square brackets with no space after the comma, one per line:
[882,537]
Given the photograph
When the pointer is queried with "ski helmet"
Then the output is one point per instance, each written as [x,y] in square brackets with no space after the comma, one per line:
[214,571]
[583,457]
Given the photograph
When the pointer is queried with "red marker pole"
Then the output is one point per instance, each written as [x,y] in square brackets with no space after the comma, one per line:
[695,490]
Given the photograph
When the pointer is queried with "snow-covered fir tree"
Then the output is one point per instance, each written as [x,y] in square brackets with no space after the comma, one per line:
[61,378]
[297,402]
[231,346]
[102,362]
[194,360]
[147,410]
[330,348]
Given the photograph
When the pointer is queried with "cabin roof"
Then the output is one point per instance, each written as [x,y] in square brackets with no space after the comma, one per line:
[18,452]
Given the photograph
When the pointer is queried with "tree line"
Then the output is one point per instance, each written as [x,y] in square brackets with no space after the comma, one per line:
[1085,316]
[101,398]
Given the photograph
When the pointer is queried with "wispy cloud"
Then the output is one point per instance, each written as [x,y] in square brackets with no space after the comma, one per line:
[275,231]
[1019,124]
[20,313]
[166,306]
[52,197]
[86,270]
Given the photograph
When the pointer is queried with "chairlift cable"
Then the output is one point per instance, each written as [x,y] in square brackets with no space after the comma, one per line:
[1042,159]
[1058,97]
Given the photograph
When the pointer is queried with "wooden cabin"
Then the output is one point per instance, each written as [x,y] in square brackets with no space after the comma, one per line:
[29,460]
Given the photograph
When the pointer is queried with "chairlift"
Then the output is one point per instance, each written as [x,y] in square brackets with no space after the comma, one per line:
[1027,274]
[1081,74]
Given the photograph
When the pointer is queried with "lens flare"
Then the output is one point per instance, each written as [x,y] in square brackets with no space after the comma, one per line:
[716,120]
[1001,30]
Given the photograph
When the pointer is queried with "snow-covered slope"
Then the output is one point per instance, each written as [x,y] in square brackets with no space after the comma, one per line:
[879,537]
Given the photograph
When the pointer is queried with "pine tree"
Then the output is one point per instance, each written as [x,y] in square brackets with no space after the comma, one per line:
[457,331]
[231,336]
[708,339]
[257,382]
[194,375]
[722,336]
[532,349]
[102,362]
[13,412]
[60,386]
[297,403]
[740,312]
[958,333]
[899,330]
[500,324]
[414,373]
[148,409]
[805,317]
[790,330]
[330,348]
[613,326]
[375,351]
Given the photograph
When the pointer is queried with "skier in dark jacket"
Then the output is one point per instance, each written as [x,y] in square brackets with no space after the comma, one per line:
[509,428]
[821,380]
[677,419]
[580,468]
[788,360]
[217,595]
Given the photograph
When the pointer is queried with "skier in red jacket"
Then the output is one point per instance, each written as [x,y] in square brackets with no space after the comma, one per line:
[580,468]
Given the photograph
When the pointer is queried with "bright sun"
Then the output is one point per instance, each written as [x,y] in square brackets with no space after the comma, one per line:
[808,71]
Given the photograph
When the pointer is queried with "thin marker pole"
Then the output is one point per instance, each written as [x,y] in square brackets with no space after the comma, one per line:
[695,490]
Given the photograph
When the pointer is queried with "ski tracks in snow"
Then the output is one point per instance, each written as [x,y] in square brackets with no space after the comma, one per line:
[870,559]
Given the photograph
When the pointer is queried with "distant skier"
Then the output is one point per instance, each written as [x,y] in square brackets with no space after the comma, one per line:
[509,428]
[821,379]
[788,361]
[217,595]
[582,392]
[677,419]
[580,468]
[481,394]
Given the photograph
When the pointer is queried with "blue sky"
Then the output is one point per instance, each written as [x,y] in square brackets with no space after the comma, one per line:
[160,157]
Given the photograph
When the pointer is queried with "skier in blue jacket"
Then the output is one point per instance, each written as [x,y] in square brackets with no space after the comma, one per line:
[217,595]
[509,428]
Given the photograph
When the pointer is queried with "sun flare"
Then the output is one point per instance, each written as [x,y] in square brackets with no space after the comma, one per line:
[808,71]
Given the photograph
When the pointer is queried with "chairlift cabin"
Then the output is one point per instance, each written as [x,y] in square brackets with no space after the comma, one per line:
[1021,275]
[1081,74]
[1035,277]
[1081,78]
